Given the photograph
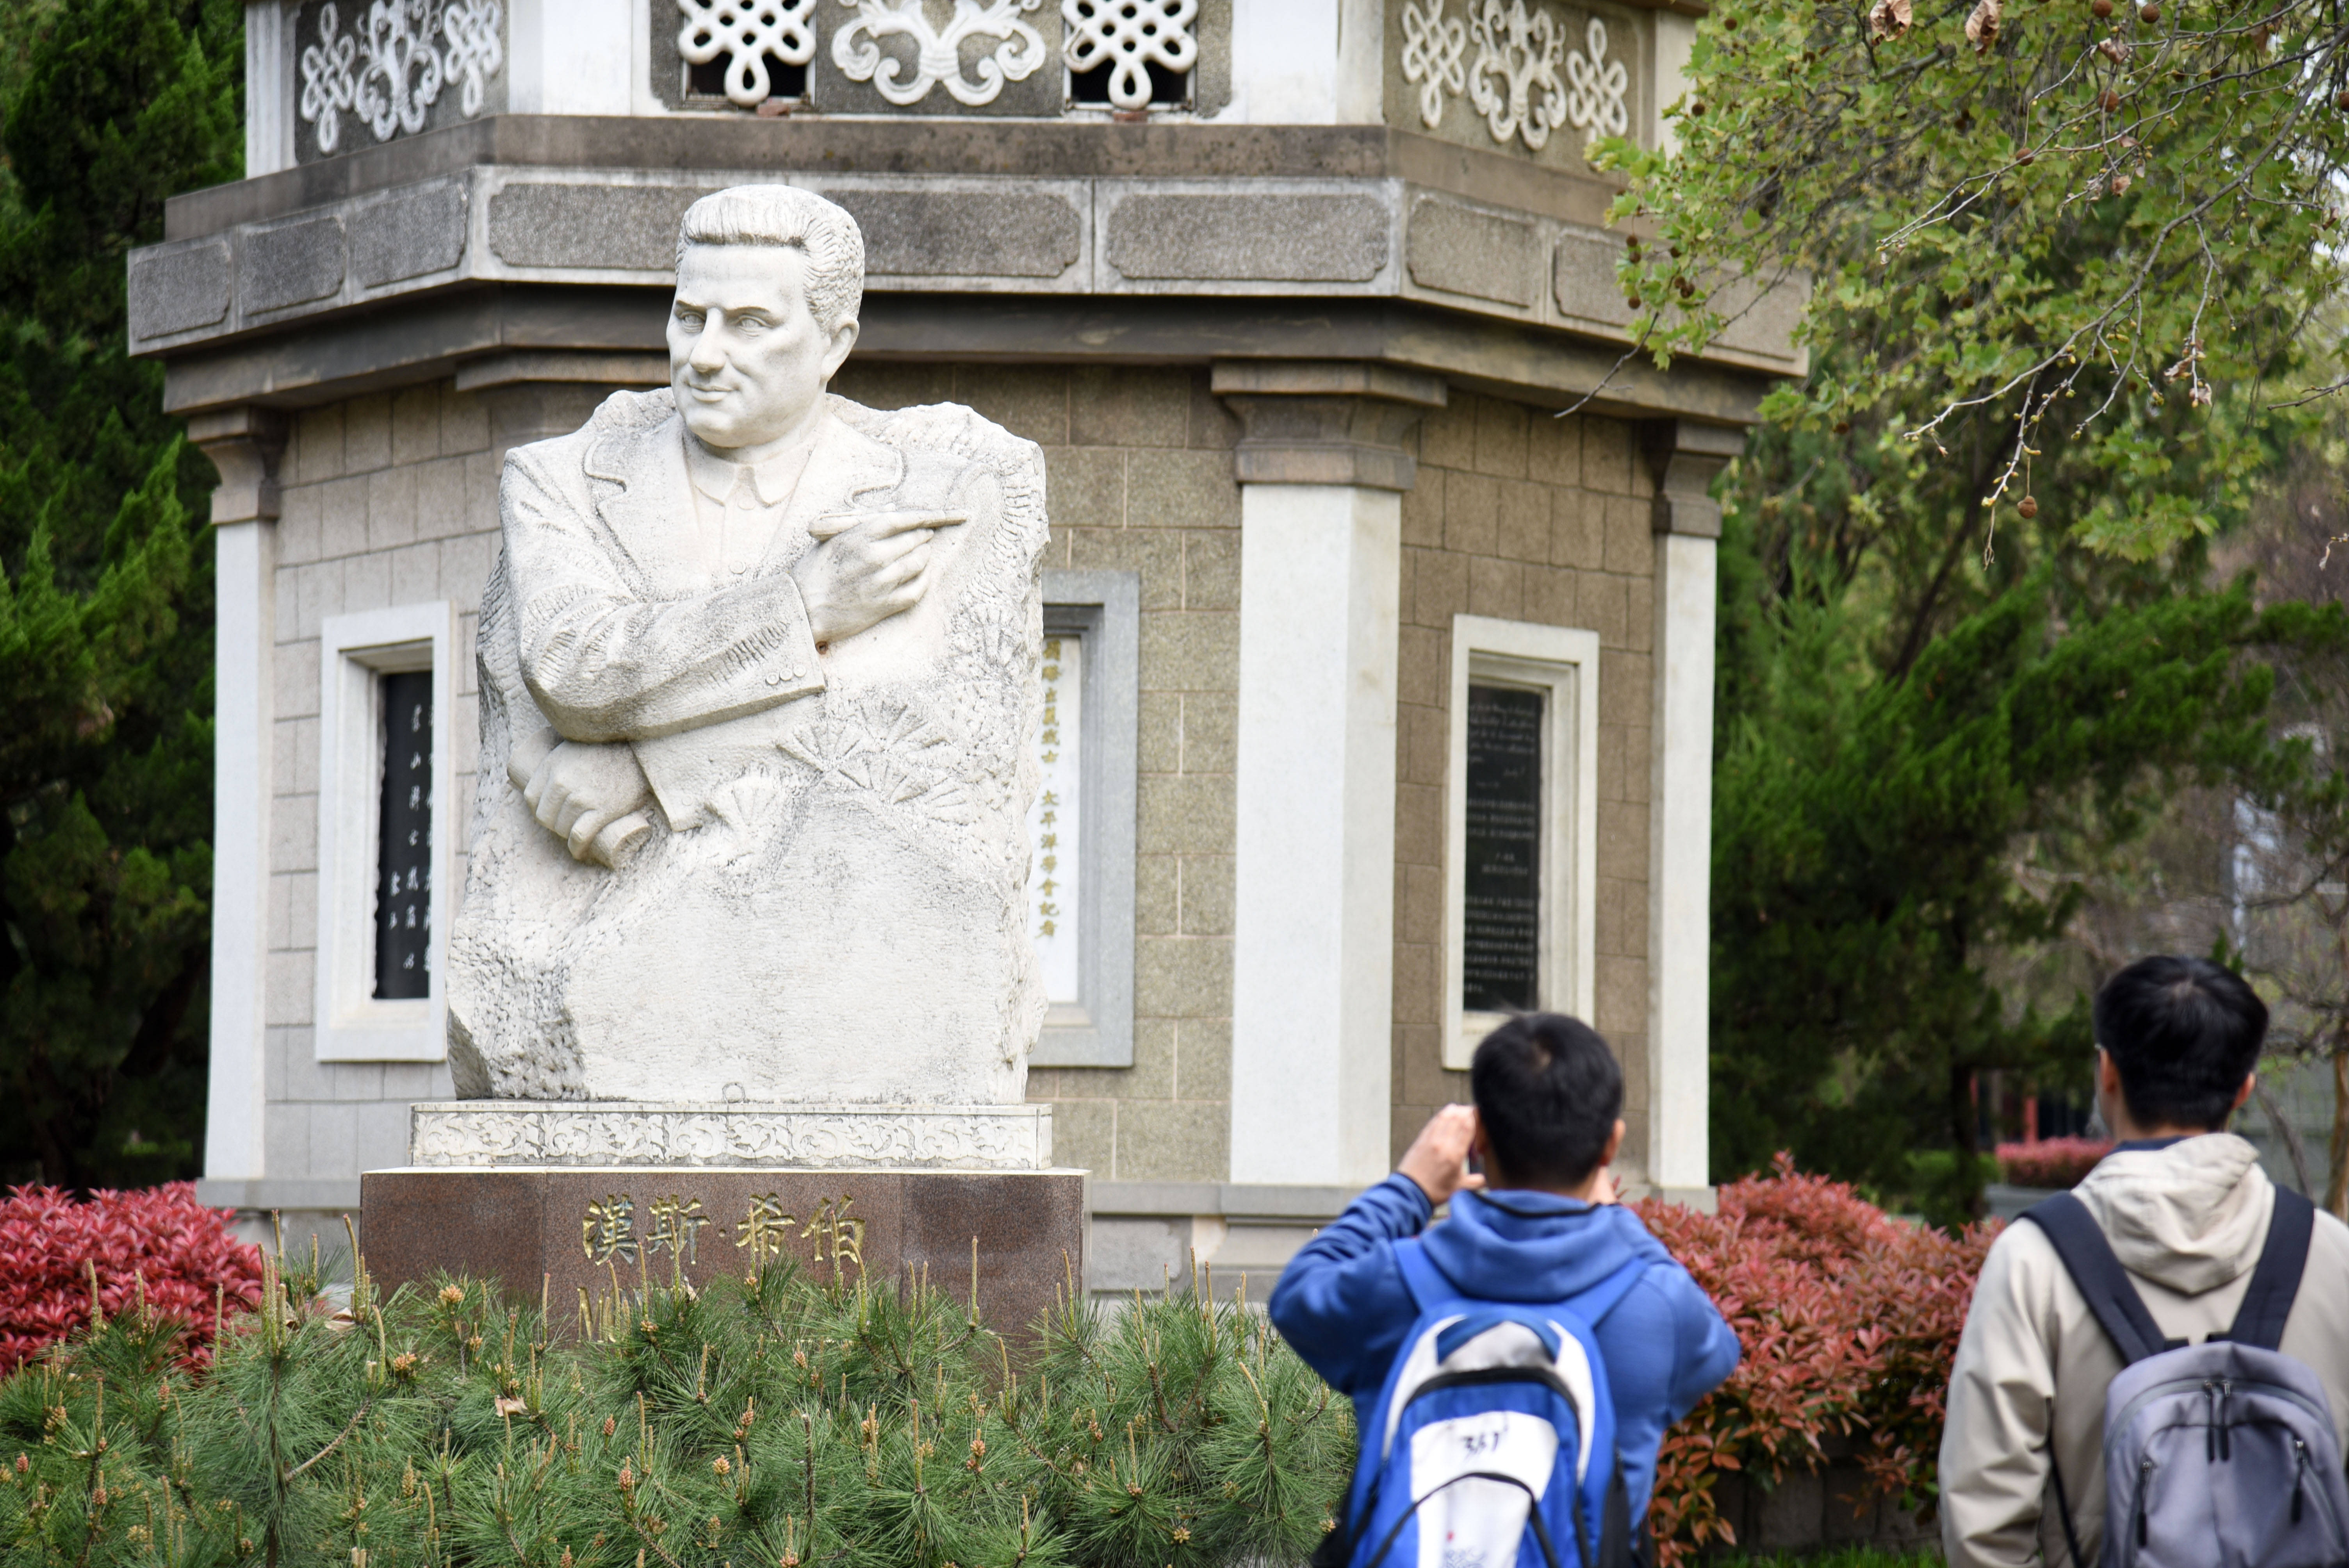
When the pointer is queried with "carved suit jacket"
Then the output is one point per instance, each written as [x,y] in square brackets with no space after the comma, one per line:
[906,747]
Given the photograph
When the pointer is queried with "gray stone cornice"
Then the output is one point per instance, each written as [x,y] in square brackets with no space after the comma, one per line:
[686,145]
[441,334]
[1338,216]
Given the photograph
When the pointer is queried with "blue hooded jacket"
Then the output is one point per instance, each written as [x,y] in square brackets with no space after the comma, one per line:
[1341,1303]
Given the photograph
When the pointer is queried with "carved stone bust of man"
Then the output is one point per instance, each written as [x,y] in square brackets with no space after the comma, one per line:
[758,691]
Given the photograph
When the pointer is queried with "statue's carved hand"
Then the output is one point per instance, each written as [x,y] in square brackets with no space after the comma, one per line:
[581,793]
[865,567]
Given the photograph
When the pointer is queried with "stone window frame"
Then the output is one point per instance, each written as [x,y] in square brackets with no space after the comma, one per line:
[1563,662]
[1104,608]
[350,1024]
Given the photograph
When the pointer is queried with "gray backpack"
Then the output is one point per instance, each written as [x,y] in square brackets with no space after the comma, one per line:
[2218,1455]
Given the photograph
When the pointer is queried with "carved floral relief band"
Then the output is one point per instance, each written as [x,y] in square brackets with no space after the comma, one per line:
[488,1133]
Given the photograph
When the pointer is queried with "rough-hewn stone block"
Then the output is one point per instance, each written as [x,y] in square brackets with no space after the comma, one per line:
[1211,572]
[1185,489]
[1206,896]
[1156,553]
[628,228]
[1523,522]
[411,232]
[1184,814]
[1191,651]
[1129,405]
[1463,251]
[965,233]
[178,291]
[1271,239]
[1182,977]
[1175,1141]
[1577,528]
[292,263]
[1031,400]
[1497,588]
[1501,438]
[1472,513]
[1582,277]
[1203,1058]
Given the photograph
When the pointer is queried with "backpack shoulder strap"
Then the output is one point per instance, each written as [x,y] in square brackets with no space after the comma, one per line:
[1425,1282]
[2088,1258]
[2276,1278]
[1600,1299]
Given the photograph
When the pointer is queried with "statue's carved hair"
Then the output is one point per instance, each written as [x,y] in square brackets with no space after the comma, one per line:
[787,215]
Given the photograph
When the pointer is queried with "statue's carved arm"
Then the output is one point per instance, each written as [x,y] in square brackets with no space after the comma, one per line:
[606,663]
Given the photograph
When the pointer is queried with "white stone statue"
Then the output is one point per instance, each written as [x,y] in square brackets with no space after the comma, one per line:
[759,698]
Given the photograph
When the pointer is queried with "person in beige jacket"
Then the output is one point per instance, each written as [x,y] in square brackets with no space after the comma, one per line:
[2186,1208]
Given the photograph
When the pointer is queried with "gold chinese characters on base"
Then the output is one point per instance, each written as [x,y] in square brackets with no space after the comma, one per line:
[600,1237]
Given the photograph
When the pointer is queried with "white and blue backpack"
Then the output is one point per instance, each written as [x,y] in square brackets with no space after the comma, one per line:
[1493,1443]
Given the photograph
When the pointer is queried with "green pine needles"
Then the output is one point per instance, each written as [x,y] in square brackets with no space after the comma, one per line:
[767,1421]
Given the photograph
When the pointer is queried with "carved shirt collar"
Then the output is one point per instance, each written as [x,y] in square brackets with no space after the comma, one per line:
[774,480]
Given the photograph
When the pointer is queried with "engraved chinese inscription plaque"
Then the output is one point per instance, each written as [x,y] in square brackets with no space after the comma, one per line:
[403,906]
[1501,881]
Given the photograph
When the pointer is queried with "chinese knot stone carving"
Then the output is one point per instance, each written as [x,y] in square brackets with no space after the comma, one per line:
[746,34]
[394,67]
[1524,80]
[938,54]
[1130,36]
[1432,46]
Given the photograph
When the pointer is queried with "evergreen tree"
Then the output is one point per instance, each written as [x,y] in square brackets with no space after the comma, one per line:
[106,602]
[2058,254]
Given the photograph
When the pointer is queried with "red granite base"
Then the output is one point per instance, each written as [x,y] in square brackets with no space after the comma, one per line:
[566,1231]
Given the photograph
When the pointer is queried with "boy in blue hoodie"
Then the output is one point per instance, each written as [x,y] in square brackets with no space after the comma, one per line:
[1541,1224]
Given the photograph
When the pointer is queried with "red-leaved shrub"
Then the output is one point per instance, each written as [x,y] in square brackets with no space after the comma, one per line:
[1849,1321]
[159,1246]
[2051,1162]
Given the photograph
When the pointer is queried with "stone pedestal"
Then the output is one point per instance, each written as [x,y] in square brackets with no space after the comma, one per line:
[582,1200]
[583,1235]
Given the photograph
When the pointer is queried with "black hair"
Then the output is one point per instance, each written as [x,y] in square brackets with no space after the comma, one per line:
[1548,1091]
[2184,1034]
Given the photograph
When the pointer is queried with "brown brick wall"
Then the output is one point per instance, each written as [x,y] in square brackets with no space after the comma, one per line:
[1140,467]
[1528,518]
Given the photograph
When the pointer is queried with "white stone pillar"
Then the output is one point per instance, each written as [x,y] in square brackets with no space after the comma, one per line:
[268,87]
[243,444]
[1684,458]
[1322,472]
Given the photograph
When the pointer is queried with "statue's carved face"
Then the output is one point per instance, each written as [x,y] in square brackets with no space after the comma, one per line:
[747,358]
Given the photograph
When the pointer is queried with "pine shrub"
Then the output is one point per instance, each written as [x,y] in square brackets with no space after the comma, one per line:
[776,1419]
[793,1418]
